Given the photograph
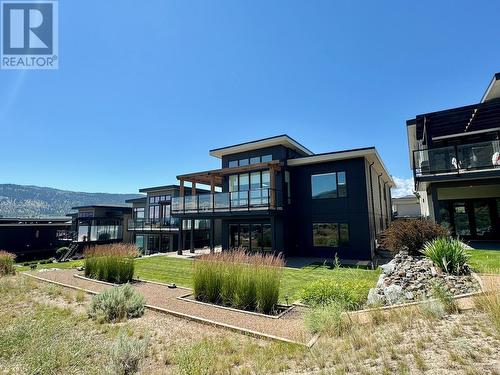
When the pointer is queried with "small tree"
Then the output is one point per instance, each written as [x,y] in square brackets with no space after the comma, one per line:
[410,235]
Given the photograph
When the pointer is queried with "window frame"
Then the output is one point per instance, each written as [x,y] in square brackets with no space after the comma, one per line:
[340,243]
[337,190]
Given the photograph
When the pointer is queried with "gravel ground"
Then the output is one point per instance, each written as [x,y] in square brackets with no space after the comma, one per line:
[290,326]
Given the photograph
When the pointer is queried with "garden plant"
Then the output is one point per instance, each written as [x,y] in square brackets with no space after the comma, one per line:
[449,254]
[112,263]
[238,279]
[116,304]
[7,263]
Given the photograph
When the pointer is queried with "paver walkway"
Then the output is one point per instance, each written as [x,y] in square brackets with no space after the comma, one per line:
[289,327]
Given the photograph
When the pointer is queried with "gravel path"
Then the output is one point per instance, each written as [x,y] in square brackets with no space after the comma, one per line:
[288,327]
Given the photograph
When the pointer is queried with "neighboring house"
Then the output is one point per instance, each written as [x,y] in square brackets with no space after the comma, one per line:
[455,157]
[406,207]
[32,237]
[276,195]
[98,224]
[153,228]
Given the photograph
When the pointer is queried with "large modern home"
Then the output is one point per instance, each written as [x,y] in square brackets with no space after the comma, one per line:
[455,157]
[276,195]
[152,227]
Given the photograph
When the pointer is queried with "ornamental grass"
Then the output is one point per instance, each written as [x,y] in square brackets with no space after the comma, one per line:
[7,263]
[239,279]
[113,263]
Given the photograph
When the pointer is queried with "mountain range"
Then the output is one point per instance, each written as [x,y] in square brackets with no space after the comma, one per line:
[35,201]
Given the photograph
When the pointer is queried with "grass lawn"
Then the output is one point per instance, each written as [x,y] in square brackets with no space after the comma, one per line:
[179,271]
[485,261]
[63,265]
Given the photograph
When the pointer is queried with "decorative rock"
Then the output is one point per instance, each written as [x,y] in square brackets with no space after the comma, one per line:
[394,294]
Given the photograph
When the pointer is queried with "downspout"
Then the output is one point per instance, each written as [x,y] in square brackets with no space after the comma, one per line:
[386,205]
[373,206]
[380,199]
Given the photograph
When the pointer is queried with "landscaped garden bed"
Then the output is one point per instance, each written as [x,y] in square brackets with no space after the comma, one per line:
[112,263]
[239,280]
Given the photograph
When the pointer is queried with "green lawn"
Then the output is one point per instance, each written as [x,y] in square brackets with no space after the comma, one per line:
[485,261]
[64,265]
[179,271]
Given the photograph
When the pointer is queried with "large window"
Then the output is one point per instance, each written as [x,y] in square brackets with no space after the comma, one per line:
[328,185]
[253,237]
[330,234]
[139,213]
[252,160]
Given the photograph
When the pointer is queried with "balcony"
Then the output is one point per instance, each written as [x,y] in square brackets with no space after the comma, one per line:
[237,201]
[459,159]
[169,223]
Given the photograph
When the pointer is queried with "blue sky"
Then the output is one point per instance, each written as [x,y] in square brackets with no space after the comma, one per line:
[145,89]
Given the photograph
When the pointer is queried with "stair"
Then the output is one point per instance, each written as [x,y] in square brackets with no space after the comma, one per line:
[73,248]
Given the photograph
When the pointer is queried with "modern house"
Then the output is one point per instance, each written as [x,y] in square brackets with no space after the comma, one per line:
[278,196]
[152,227]
[32,237]
[455,157]
[407,207]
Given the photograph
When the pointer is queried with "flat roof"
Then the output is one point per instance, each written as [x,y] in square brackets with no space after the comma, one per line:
[36,219]
[109,206]
[137,200]
[283,140]
[370,153]
[158,188]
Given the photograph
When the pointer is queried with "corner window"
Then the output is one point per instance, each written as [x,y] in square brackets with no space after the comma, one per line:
[329,185]
[330,234]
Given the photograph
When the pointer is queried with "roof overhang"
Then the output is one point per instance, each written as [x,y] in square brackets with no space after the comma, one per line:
[215,176]
[370,154]
[493,90]
[280,140]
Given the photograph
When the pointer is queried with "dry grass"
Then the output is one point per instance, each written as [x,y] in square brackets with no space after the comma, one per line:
[7,263]
[44,330]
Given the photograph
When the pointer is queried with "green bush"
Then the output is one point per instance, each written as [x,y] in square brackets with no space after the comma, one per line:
[116,304]
[126,354]
[449,254]
[327,319]
[326,291]
[62,250]
[238,279]
[7,263]
[410,235]
[112,263]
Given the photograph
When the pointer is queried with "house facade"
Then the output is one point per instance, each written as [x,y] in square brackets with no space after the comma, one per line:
[152,227]
[407,207]
[275,195]
[455,157]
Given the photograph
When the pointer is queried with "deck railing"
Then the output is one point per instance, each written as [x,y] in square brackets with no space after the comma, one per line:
[150,224]
[457,159]
[237,201]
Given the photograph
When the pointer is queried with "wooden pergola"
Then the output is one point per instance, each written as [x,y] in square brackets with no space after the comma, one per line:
[214,178]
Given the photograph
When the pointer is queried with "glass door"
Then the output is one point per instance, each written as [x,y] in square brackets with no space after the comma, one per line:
[482,218]
[462,224]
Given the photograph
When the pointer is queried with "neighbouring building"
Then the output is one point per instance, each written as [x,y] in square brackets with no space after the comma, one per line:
[275,195]
[406,207]
[32,237]
[455,157]
[152,227]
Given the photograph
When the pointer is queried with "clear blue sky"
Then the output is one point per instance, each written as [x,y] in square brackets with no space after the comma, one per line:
[145,89]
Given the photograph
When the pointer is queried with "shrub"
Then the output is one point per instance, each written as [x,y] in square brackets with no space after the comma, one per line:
[410,235]
[126,354]
[327,319]
[432,309]
[446,299]
[449,254]
[326,291]
[112,263]
[116,304]
[62,250]
[238,279]
[7,263]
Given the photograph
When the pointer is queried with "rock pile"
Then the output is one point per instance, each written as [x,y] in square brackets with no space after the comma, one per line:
[409,278]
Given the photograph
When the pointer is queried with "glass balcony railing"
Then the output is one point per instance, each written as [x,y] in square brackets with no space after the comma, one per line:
[457,159]
[251,200]
[150,224]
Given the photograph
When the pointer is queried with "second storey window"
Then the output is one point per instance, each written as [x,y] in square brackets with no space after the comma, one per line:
[139,213]
[328,185]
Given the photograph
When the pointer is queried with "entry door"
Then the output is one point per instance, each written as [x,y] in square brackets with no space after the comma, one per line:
[462,219]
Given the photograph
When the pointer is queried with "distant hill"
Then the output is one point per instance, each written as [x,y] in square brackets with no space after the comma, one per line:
[35,201]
